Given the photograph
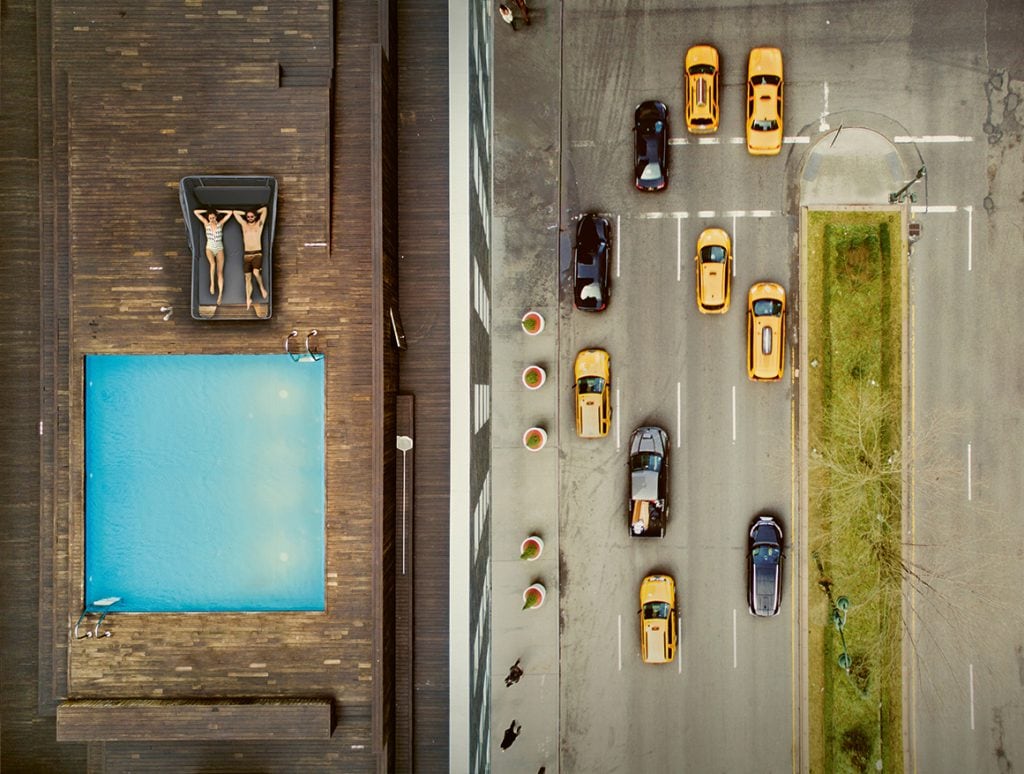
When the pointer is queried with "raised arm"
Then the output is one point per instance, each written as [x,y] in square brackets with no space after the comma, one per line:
[227,214]
[263,215]
[239,216]
[200,214]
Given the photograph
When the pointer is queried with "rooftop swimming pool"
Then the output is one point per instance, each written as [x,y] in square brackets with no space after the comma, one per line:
[204,482]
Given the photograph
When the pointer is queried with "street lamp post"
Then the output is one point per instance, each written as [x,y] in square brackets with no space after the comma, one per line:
[900,196]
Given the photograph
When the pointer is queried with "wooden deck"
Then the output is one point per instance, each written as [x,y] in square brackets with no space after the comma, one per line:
[140,97]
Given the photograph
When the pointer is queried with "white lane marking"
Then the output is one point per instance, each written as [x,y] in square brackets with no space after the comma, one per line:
[822,123]
[620,642]
[734,413]
[679,638]
[733,244]
[678,141]
[708,141]
[969,493]
[657,215]
[796,140]
[737,140]
[679,412]
[970,236]
[618,245]
[734,638]
[582,143]
[618,437]
[744,213]
[904,138]
[970,668]
[40,427]
[679,249]
[934,208]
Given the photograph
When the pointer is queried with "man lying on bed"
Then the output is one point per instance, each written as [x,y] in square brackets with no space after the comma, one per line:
[252,233]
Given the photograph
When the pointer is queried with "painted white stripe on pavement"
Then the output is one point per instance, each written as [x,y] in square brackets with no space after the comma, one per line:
[679,412]
[706,214]
[969,492]
[734,413]
[822,123]
[796,140]
[934,208]
[734,638]
[658,215]
[583,143]
[618,245]
[618,435]
[762,213]
[620,642]
[903,138]
[708,141]
[733,244]
[679,249]
[735,214]
[970,237]
[970,670]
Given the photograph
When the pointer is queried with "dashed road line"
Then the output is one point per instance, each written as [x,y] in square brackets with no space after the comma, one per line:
[934,138]
[618,245]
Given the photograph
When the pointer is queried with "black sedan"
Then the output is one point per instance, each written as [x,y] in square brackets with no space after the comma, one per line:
[590,263]
[764,581]
[650,154]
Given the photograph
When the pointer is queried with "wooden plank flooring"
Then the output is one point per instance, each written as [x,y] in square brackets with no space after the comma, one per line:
[123,112]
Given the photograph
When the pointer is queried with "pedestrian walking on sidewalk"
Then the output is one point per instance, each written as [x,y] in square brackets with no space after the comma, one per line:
[521,5]
[507,16]
[514,674]
[510,734]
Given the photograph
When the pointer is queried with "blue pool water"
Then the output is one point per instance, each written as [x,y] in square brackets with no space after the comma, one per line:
[204,482]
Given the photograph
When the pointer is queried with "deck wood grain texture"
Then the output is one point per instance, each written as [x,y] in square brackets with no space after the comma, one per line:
[107,106]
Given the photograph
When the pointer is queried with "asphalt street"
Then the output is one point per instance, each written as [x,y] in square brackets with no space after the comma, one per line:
[917,79]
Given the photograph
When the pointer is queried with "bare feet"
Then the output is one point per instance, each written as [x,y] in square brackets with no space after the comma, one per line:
[248,302]
[263,290]
[212,289]
[219,295]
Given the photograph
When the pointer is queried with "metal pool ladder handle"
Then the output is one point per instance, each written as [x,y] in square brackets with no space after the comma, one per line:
[291,354]
[313,352]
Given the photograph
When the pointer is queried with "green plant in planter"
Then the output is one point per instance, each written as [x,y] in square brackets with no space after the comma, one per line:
[534,440]
[532,598]
[530,324]
[531,548]
[532,377]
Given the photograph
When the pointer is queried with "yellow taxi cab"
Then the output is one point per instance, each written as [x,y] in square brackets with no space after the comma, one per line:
[701,77]
[714,271]
[592,373]
[658,619]
[766,332]
[764,102]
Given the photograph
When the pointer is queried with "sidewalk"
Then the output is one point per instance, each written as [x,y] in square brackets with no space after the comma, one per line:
[525,275]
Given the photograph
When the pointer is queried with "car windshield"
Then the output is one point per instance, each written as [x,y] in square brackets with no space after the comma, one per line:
[651,172]
[647,461]
[771,80]
[702,69]
[713,254]
[590,384]
[767,307]
[766,554]
[700,121]
[764,125]
[656,610]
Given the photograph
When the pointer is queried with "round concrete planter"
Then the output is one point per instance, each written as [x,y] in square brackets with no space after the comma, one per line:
[533,322]
[535,438]
[531,548]
[533,596]
[534,377]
